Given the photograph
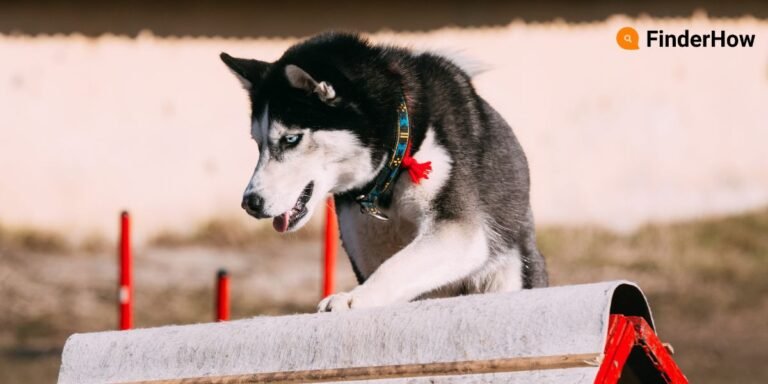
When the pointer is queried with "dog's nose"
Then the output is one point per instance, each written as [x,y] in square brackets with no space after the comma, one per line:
[254,205]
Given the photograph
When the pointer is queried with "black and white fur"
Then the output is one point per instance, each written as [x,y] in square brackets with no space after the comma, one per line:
[324,117]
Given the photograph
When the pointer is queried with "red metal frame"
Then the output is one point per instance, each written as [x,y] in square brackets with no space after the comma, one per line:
[125,287]
[222,295]
[626,333]
[331,245]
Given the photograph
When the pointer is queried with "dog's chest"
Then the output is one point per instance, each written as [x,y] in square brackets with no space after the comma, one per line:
[369,241]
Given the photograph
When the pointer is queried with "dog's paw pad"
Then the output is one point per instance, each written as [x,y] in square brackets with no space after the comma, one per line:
[336,303]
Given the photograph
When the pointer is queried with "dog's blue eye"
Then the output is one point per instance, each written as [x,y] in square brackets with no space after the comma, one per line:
[292,139]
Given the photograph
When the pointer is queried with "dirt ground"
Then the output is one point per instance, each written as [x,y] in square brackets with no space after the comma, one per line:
[704,279]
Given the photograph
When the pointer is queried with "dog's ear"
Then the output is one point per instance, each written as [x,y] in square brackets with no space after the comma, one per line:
[299,78]
[249,72]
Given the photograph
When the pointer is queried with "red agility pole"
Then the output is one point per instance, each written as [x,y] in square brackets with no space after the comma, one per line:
[331,244]
[125,289]
[222,295]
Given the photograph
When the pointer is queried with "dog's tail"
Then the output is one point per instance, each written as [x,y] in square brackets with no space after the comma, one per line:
[472,66]
[458,56]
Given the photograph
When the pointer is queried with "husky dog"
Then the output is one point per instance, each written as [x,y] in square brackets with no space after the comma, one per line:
[430,184]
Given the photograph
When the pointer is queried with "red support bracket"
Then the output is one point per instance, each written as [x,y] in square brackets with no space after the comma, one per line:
[626,333]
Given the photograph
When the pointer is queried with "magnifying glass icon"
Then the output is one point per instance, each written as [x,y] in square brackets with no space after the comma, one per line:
[628,38]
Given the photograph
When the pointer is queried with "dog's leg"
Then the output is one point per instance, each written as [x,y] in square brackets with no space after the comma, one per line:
[447,253]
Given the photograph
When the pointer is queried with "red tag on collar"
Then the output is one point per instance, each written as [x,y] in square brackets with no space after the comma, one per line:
[416,170]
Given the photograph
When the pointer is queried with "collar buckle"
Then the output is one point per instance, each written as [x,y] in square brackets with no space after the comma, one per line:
[370,208]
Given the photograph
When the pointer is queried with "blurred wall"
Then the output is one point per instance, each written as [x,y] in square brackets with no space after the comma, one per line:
[89,126]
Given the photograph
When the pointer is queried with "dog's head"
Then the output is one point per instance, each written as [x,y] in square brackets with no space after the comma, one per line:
[315,129]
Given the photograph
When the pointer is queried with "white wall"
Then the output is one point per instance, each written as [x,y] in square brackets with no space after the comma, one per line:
[616,138]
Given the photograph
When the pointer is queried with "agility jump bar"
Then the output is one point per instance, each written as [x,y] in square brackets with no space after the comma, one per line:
[399,371]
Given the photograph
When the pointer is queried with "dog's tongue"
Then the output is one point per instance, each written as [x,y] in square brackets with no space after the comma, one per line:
[281,222]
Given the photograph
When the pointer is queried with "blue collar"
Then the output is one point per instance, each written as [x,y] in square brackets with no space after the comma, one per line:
[386,177]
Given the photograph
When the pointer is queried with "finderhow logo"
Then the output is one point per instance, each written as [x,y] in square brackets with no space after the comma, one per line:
[628,38]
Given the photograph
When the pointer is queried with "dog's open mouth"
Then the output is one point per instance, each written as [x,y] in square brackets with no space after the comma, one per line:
[288,219]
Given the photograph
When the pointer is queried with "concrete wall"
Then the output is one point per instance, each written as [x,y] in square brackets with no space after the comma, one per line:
[89,126]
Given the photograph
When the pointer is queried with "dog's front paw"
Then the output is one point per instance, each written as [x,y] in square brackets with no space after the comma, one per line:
[336,303]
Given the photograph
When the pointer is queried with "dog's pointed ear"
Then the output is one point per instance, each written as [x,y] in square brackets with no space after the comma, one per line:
[250,72]
[299,78]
